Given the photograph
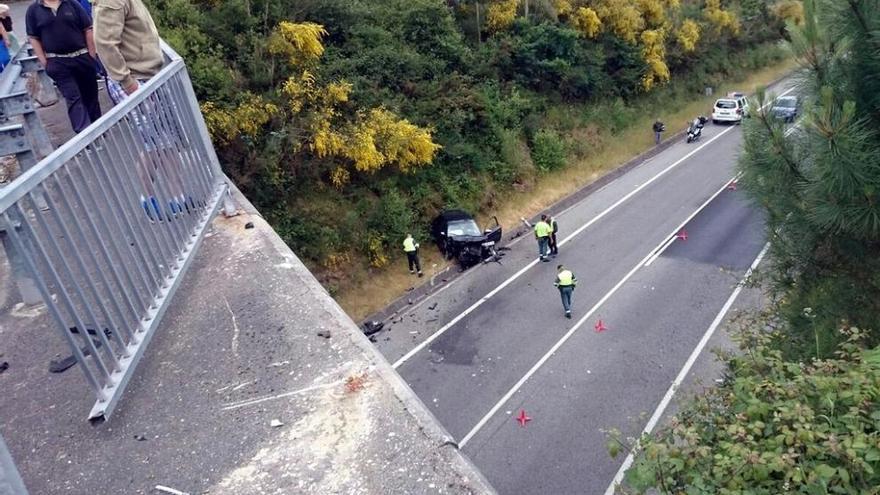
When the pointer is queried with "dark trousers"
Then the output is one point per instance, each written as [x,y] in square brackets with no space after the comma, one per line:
[75,78]
[565,292]
[656,137]
[554,249]
[413,258]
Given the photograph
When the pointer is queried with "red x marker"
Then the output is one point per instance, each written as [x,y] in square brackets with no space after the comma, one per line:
[732,185]
[683,235]
[600,327]
[522,418]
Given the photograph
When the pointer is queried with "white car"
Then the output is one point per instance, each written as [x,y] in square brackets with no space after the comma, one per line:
[729,110]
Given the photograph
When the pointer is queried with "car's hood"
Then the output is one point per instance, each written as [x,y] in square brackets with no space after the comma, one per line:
[468,238]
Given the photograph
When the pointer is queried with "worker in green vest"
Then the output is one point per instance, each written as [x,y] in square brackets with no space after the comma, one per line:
[411,248]
[565,282]
[542,234]
[554,228]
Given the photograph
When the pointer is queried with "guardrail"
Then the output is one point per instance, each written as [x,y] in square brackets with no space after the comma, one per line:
[108,223]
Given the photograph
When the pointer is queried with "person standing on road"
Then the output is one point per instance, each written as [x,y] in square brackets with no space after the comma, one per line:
[411,248]
[565,282]
[659,128]
[554,228]
[61,35]
[542,234]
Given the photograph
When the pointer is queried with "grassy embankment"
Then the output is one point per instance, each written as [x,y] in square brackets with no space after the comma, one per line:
[384,286]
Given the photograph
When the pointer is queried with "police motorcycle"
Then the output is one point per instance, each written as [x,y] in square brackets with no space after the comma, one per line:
[695,129]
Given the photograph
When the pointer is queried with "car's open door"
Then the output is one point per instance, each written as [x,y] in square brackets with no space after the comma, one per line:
[494,233]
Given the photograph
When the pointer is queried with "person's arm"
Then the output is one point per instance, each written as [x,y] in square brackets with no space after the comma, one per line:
[5,35]
[38,50]
[90,43]
[109,22]
[33,33]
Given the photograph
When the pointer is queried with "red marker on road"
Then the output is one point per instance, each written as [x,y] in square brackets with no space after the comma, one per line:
[600,327]
[522,418]
[683,235]
[732,186]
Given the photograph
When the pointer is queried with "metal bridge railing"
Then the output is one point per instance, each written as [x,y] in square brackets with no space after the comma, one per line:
[109,222]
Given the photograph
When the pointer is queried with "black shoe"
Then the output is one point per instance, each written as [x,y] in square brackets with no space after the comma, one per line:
[545,260]
[568,315]
[421,274]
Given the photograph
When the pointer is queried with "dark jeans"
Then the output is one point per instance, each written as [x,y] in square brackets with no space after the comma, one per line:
[543,244]
[656,137]
[75,78]
[413,258]
[565,291]
[554,249]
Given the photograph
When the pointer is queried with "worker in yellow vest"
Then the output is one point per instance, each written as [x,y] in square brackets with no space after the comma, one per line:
[565,282]
[542,234]
[411,248]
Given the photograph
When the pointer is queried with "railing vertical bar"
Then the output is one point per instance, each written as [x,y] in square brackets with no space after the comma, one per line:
[162,137]
[119,246]
[153,242]
[198,183]
[47,295]
[164,188]
[196,113]
[203,170]
[107,260]
[171,128]
[125,221]
[191,152]
[141,165]
[78,290]
[62,290]
[154,176]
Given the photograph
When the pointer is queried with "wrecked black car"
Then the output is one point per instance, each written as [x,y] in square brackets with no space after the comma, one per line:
[458,236]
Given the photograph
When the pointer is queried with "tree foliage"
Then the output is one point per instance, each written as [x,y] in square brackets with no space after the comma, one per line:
[798,412]
[775,427]
[325,112]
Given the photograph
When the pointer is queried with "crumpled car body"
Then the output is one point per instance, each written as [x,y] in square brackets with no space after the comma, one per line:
[459,236]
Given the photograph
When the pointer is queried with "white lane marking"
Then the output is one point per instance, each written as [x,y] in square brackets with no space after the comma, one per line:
[470,309]
[570,332]
[688,219]
[661,408]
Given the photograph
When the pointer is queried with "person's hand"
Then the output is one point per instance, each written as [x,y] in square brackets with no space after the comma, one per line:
[7,41]
[132,88]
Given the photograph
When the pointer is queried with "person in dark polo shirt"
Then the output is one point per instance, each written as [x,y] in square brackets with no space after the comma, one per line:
[61,35]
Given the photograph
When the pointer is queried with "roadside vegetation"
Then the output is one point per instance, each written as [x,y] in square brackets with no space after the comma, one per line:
[799,411]
[350,122]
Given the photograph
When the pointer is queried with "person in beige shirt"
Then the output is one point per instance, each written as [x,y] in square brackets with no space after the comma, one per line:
[127,42]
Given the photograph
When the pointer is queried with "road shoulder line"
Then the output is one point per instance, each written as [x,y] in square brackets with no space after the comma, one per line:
[667,398]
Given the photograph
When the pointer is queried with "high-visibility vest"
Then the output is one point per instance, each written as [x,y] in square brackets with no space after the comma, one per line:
[542,229]
[566,278]
[409,245]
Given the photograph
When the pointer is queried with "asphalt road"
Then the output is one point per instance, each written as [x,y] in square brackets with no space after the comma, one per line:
[495,341]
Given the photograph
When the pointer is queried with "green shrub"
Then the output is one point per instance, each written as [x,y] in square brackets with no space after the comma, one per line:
[774,427]
[548,150]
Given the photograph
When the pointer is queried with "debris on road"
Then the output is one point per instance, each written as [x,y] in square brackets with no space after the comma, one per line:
[275,423]
[372,327]
[324,333]
[431,307]
[249,225]
[140,438]
[4,366]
